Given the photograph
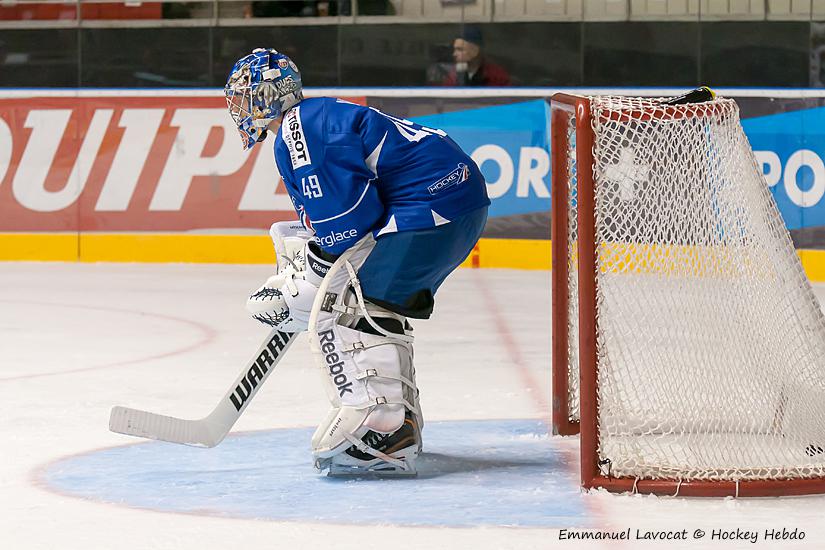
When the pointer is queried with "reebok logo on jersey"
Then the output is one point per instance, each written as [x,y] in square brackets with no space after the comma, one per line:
[266,359]
[293,133]
[334,364]
[460,174]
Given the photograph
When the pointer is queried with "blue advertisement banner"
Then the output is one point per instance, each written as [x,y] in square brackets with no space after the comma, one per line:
[511,144]
[790,147]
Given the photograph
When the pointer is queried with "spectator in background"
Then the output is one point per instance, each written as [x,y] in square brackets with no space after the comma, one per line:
[472,67]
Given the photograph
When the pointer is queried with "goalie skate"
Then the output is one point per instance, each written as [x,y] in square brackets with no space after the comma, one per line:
[379,455]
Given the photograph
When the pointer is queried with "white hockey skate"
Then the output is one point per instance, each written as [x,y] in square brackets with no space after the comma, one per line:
[379,455]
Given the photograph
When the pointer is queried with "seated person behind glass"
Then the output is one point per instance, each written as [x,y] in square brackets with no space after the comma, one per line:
[472,67]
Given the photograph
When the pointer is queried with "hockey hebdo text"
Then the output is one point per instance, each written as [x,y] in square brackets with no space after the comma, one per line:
[704,537]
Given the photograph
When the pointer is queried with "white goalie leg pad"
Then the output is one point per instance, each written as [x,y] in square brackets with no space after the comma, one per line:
[370,381]
[369,377]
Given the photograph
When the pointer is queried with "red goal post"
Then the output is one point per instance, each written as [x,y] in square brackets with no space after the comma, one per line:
[758,464]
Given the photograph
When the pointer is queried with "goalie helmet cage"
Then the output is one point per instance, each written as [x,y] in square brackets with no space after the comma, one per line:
[690,353]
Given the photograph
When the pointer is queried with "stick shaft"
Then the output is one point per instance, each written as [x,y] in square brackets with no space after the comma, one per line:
[210,430]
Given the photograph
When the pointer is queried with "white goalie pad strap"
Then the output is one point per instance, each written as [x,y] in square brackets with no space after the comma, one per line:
[355,285]
[366,340]
[373,373]
[364,448]
[346,310]
[346,375]
[330,438]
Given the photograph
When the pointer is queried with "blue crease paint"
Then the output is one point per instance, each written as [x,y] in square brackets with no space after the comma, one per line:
[472,473]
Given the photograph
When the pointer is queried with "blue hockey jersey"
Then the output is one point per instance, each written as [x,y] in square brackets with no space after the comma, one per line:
[351,169]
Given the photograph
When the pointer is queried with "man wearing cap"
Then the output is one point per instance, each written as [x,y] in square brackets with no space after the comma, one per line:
[472,67]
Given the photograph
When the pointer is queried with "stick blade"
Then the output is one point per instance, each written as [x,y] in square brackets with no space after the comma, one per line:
[149,425]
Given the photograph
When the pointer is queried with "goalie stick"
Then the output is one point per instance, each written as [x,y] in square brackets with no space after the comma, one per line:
[210,430]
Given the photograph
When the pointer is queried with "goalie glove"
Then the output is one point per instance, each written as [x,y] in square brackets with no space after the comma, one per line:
[268,304]
[285,300]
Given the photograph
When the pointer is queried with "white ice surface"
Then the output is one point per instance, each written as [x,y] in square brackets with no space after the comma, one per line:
[76,339]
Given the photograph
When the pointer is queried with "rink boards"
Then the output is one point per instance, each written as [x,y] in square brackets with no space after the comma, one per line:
[159,175]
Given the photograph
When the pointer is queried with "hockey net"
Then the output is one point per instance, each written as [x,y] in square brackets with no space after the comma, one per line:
[700,341]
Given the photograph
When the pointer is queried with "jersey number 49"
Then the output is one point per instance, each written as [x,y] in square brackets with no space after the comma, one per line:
[311,187]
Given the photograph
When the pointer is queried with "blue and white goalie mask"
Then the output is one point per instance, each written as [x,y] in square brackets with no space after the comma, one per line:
[260,87]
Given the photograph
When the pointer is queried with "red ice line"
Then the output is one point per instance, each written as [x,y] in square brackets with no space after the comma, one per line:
[542,403]
[208,334]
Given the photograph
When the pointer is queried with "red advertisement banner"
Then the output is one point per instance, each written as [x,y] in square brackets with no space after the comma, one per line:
[133,163]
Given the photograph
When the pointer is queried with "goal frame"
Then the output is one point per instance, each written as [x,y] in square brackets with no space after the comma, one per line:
[563,106]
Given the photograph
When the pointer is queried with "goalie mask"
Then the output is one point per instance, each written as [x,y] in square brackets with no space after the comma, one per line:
[260,87]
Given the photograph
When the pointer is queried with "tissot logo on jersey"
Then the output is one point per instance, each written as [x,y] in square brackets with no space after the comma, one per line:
[335,237]
[460,174]
[292,132]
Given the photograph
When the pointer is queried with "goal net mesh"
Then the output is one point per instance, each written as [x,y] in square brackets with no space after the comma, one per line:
[711,343]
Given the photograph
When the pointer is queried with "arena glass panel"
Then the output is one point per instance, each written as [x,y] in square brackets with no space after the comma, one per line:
[421,55]
[640,54]
[538,54]
[755,53]
[34,58]
[817,62]
[312,47]
[146,57]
